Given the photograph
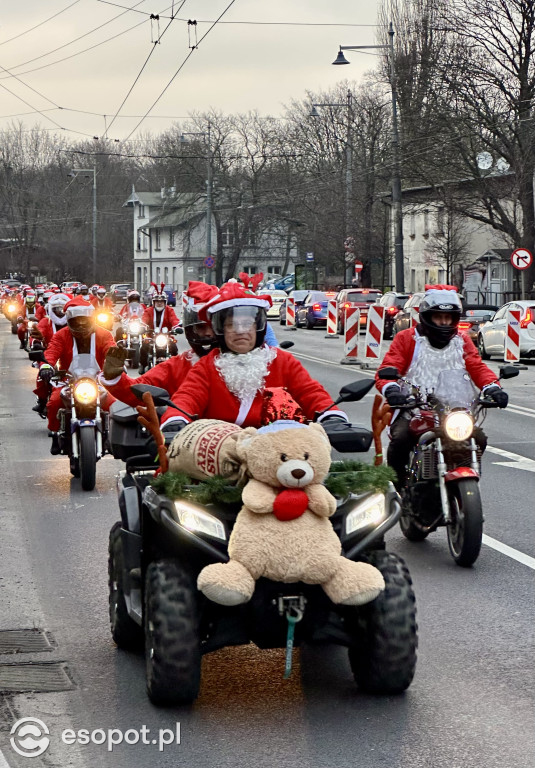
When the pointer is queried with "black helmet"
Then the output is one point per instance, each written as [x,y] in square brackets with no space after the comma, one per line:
[191,323]
[249,314]
[438,299]
[133,296]
[83,290]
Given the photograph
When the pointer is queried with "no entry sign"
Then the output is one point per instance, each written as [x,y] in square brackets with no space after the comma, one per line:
[521,258]
[358,267]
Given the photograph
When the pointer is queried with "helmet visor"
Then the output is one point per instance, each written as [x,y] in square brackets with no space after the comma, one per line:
[239,320]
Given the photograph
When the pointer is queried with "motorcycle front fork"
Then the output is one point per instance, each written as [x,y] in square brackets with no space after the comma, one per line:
[442,469]
[74,433]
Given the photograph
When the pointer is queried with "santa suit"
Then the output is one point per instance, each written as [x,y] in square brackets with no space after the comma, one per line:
[105,303]
[169,374]
[22,326]
[40,312]
[47,329]
[61,349]
[158,320]
[205,393]
[407,346]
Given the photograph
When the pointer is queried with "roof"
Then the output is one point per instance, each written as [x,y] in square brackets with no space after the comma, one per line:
[145,198]
[186,208]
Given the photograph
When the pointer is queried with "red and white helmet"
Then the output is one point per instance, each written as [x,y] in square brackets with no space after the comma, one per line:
[159,294]
[100,292]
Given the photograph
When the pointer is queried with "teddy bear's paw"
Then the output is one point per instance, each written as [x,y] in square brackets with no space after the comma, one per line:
[226,583]
[354,583]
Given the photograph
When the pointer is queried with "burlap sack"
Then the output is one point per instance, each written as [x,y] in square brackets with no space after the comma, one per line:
[205,448]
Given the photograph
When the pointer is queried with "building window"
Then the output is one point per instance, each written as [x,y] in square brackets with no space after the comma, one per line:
[251,269]
[141,212]
[441,276]
[171,239]
[174,277]
[227,235]
[158,275]
[157,244]
[138,245]
[166,275]
[412,232]
[426,276]
[413,280]
[138,279]
[145,281]
[274,270]
[426,223]
[440,220]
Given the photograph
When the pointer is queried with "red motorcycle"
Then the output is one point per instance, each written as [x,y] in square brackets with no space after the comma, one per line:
[442,485]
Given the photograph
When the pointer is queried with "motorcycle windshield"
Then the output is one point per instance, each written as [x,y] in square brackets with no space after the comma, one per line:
[134,308]
[455,389]
[84,366]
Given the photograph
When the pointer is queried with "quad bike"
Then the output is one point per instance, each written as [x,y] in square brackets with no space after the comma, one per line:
[159,546]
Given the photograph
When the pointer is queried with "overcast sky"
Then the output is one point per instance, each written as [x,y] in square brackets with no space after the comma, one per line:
[238,66]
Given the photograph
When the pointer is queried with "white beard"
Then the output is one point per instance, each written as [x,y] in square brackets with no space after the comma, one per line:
[245,374]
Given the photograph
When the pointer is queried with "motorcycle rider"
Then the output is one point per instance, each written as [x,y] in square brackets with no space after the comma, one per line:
[171,372]
[132,308]
[80,336]
[43,332]
[100,301]
[420,354]
[230,383]
[155,318]
[27,310]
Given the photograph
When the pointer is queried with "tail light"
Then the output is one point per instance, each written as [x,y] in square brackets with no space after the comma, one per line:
[347,304]
[528,318]
[316,307]
[392,310]
[464,326]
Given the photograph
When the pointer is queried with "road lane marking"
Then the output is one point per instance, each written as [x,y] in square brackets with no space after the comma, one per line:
[516,461]
[509,551]
[3,761]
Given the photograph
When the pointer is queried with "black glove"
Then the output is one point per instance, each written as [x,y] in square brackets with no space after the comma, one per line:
[497,394]
[170,430]
[46,372]
[395,397]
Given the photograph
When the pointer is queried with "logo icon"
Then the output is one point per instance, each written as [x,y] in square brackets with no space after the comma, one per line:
[28,737]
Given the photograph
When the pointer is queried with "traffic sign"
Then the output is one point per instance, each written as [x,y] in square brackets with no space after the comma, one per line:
[310,257]
[209,262]
[521,258]
[358,267]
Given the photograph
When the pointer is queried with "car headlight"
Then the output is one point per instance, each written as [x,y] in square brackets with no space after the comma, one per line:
[134,327]
[161,340]
[85,392]
[458,425]
[369,512]
[199,522]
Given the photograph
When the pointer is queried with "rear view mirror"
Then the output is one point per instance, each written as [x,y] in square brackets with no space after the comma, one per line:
[509,371]
[37,356]
[156,392]
[355,391]
[286,344]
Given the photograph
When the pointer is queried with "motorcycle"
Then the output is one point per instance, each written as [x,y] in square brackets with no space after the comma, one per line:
[442,484]
[159,546]
[160,343]
[32,323]
[12,311]
[133,330]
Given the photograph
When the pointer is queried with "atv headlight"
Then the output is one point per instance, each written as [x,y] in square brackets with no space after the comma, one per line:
[199,522]
[161,340]
[85,392]
[369,512]
[134,327]
[458,425]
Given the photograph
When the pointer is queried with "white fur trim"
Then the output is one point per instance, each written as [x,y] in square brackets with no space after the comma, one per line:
[174,418]
[252,302]
[109,382]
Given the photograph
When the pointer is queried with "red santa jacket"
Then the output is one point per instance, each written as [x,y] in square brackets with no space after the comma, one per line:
[60,347]
[401,353]
[169,319]
[47,328]
[40,312]
[205,393]
[170,374]
[105,303]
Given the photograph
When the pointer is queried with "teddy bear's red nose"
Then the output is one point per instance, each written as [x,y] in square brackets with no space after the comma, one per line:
[298,473]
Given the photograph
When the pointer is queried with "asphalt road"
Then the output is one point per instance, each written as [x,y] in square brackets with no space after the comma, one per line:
[471,702]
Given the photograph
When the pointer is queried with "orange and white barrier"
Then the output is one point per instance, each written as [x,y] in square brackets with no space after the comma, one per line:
[374,333]
[332,318]
[511,352]
[351,333]
[290,311]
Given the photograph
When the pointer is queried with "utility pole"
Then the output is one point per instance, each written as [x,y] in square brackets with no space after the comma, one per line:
[209,204]
[396,176]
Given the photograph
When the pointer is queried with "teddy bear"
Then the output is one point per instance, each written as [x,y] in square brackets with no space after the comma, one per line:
[283,531]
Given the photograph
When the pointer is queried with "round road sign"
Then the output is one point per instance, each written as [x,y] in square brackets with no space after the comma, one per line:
[358,267]
[521,258]
[209,261]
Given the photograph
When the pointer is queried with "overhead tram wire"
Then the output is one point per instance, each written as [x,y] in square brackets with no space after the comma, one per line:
[180,68]
[141,71]
[31,29]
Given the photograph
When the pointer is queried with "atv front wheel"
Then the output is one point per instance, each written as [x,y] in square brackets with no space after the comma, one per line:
[172,646]
[385,633]
[124,630]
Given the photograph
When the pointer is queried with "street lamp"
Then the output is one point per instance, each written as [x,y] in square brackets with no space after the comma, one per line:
[206,135]
[74,173]
[396,171]
[348,104]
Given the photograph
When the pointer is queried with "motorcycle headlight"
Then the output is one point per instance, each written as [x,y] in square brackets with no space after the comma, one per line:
[458,425]
[371,511]
[103,317]
[161,340]
[85,392]
[199,522]
[11,308]
[134,327]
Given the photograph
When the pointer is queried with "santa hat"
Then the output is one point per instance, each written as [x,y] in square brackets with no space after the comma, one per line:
[78,307]
[233,294]
[199,293]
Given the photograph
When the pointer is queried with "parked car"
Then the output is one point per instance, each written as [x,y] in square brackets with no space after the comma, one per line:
[298,297]
[118,291]
[68,286]
[284,284]
[474,316]
[313,310]
[356,297]
[393,303]
[403,318]
[491,337]
[169,290]
[278,298]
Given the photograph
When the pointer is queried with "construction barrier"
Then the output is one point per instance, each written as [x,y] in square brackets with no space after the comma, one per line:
[374,333]
[511,352]
[184,301]
[415,317]
[351,334]
[332,319]
[290,311]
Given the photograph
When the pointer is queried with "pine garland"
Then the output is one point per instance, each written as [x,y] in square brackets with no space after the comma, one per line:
[344,477]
